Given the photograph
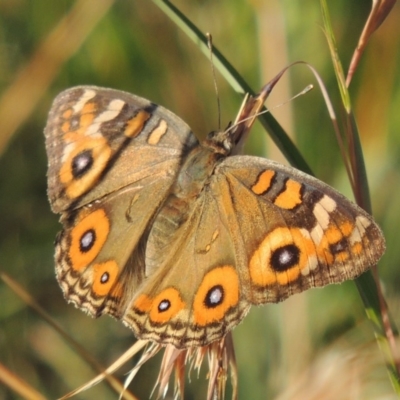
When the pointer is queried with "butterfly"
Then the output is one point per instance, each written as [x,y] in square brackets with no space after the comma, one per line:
[178,239]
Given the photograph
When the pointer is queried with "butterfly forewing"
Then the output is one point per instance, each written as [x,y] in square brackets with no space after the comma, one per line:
[296,233]
[100,140]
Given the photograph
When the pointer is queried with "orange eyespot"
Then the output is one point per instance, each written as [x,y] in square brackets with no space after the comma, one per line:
[88,238]
[104,277]
[218,292]
[166,305]
[281,257]
[163,307]
[84,165]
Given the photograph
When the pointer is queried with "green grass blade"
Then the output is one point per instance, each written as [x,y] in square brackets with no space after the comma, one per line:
[361,190]
[373,300]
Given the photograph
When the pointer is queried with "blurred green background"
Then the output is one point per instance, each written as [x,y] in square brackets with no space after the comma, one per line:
[300,349]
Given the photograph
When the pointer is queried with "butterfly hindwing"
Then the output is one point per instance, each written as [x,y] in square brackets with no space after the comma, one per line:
[195,295]
[97,255]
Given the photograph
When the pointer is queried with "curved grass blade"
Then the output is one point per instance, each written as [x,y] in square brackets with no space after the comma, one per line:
[368,287]
[379,11]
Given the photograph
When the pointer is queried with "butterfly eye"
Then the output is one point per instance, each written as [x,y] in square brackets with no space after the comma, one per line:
[82,163]
[214,297]
[285,257]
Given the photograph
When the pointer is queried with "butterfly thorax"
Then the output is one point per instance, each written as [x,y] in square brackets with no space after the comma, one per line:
[172,221]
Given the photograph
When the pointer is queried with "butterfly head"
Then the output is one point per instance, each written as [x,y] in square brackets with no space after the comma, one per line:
[222,142]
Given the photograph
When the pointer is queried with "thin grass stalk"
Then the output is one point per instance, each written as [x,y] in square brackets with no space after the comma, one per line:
[367,285]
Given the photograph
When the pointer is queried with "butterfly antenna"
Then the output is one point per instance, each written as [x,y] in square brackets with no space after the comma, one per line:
[304,91]
[301,93]
[210,46]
